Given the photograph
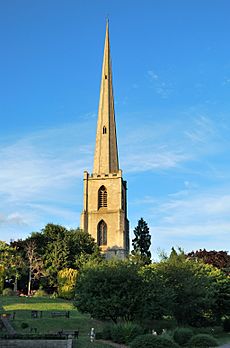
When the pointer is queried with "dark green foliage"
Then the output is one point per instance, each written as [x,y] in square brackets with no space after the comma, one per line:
[191,285]
[202,341]
[142,241]
[8,292]
[150,341]
[221,295]
[98,336]
[163,324]
[109,290]
[106,332]
[182,335]
[211,330]
[125,332]
[24,325]
[157,297]
[226,324]
[58,248]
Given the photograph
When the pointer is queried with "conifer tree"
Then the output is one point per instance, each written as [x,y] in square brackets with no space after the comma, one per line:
[142,241]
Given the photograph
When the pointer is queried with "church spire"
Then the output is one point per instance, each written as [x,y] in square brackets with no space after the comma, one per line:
[106,155]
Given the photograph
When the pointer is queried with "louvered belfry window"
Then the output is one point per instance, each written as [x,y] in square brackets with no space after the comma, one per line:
[102,197]
[102,233]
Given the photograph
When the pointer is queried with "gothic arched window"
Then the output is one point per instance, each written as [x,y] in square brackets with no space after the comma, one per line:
[102,197]
[104,130]
[102,233]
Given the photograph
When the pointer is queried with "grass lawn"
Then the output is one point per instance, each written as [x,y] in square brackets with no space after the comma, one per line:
[23,306]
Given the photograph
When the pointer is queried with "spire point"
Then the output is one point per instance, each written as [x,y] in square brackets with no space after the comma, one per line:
[106,153]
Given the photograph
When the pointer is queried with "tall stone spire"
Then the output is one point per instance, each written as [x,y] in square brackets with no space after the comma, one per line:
[104,214]
[106,154]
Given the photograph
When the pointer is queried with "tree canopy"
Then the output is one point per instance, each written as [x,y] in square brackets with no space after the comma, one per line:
[51,250]
[142,241]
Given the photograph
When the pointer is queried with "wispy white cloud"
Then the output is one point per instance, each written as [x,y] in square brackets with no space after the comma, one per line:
[41,174]
[202,129]
[41,178]
[12,219]
[153,160]
[161,87]
[41,162]
[197,219]
[226,81]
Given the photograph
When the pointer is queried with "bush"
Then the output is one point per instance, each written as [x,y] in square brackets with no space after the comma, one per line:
[226,324]
[67,282]
[125,332]
[40,293]
[182,335]
[150,341]
[106,332]
[160,325]
[98,336]
[203,341]
[8,292]
[24,325]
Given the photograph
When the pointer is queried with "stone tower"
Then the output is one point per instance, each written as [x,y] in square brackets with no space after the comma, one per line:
[104,213]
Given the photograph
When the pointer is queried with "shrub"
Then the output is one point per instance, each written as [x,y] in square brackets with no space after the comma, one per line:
[203,341]
[8,292]
[106,332]
[40,293]
[125,332]
[182,335]
[150,341]
[67,282]
[226,324]
[98,335]
[24,325]
[163,324]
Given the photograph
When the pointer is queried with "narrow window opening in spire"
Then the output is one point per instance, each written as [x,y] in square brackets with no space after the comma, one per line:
[104,130]
[105,77]
[102,233]
[102,197]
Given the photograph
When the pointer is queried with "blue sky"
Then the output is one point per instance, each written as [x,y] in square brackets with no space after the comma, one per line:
[171,72]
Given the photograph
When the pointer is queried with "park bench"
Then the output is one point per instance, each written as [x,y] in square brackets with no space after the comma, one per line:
[60,314]
[36,314]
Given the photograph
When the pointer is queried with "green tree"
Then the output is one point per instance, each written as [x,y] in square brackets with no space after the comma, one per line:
[11,261]
[67,283]
[157,297]
[109,290]
[142,242]
[220,290]
[82,248]
[191,286]
[58,248]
